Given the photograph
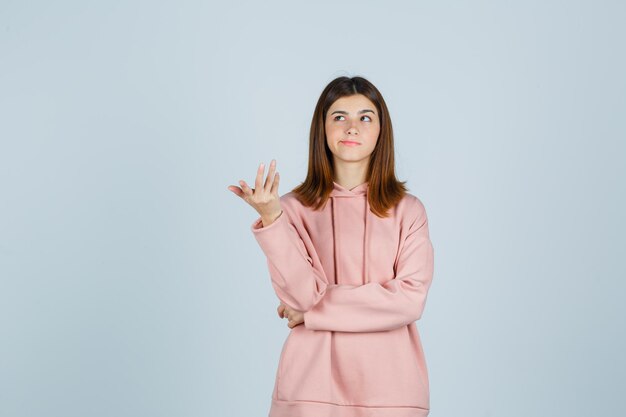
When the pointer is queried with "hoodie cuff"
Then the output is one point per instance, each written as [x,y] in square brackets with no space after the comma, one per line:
[257,225]
[309,323]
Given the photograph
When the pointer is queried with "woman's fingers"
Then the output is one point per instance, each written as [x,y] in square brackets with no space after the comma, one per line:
[274,189]
[264,197]
[270,185]
[236,190]
[269,181]
[247,191]
[258,182]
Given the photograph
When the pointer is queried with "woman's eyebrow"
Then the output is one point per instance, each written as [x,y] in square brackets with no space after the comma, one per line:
[359,112]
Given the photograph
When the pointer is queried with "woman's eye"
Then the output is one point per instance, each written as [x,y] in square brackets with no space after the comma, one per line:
[370,119]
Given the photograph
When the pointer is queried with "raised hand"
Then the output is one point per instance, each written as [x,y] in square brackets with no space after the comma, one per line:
[264,196]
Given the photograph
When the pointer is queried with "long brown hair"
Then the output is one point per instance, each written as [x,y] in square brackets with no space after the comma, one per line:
[384,189]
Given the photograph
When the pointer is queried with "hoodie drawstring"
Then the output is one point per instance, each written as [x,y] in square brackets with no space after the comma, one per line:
[334,224]
[366,242]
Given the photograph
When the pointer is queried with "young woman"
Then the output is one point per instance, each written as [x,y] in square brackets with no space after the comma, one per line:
[351,261]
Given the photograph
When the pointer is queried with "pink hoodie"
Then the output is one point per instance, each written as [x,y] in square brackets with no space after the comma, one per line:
[362,282]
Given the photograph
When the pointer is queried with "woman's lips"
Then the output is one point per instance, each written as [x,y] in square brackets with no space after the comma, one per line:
[349,143]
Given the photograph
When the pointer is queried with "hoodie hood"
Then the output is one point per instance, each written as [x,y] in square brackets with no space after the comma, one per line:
[340,191]
[341,195]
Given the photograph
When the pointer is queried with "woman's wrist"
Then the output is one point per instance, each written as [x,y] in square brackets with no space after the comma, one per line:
[270,219]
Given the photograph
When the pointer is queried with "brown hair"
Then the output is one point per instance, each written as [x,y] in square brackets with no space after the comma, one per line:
[384,189]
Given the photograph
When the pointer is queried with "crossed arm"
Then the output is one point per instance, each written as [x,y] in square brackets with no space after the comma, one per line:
[307,298]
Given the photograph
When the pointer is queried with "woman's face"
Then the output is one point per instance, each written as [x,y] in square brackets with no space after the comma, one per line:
[352,128]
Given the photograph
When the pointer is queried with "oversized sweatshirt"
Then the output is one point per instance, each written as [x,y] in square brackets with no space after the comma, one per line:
[362,282]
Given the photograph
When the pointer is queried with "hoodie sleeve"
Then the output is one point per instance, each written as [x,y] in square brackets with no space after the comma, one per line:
[297,282]
[378,307]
